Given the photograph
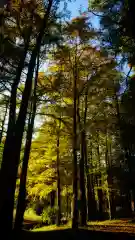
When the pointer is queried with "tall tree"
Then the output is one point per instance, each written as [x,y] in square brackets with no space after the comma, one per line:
[22,191]
[9,178]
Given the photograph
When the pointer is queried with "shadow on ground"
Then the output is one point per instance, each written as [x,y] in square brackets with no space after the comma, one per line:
[73,234]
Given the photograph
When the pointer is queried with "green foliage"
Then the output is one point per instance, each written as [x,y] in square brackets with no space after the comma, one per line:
[117,22]
[49,215]
[42,164]
[31,215]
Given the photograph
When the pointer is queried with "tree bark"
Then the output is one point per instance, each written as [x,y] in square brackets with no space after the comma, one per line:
[101,209]
[6,174]
[91,203]
[98,150]
[107,160]
[22,190]
[67,197]
[92,210]
[52,199]
[9,168]
[83,210]
[58,219]
[109,180]
[3,122]
[75,190]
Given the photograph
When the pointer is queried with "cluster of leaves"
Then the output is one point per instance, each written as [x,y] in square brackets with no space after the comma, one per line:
[116,18]
[49,215]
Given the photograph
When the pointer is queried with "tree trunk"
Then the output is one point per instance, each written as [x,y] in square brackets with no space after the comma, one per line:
[92,210]
[52,199]
[111,193]
[12,147]
[6,174]
[109,180]
[131,185]
[101,209]
[58,219]
[3,122]
[83,210]
[91,204]
[22,190]
[98,150]
[75,190]
[67,197]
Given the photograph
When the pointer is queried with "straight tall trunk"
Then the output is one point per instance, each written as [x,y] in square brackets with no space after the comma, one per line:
[52,199]
[109,180]
[58,219]
[6,174]
[75,190]
[11,156]
[101,208]
[22,190]
[91,204]
[3,122]
[83,210]
[67,197]
[130,188]
[107,160]
[98,150]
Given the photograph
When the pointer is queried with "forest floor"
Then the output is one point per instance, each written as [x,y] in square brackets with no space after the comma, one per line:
[34,223]
[107,230]
[71,234]
[124,225]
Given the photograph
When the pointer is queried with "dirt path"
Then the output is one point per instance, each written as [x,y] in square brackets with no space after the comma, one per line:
[113,228]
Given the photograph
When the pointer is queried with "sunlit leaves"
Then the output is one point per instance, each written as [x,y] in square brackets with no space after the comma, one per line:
[79,27]
[42,164]
[56,68]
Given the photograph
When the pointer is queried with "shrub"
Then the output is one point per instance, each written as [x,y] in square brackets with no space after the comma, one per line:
[49,215]
[45,217]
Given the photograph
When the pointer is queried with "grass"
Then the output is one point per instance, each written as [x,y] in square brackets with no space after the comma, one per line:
[117,222]
[108,225]
[30,215]
[122,225]
[52,227]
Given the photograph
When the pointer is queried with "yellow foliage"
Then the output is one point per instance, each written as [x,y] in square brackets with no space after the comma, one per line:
[15,3]
[56,68]
[41,77]
[75,33]
[129,65]
[67,100]
[41,74]
[75,20]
